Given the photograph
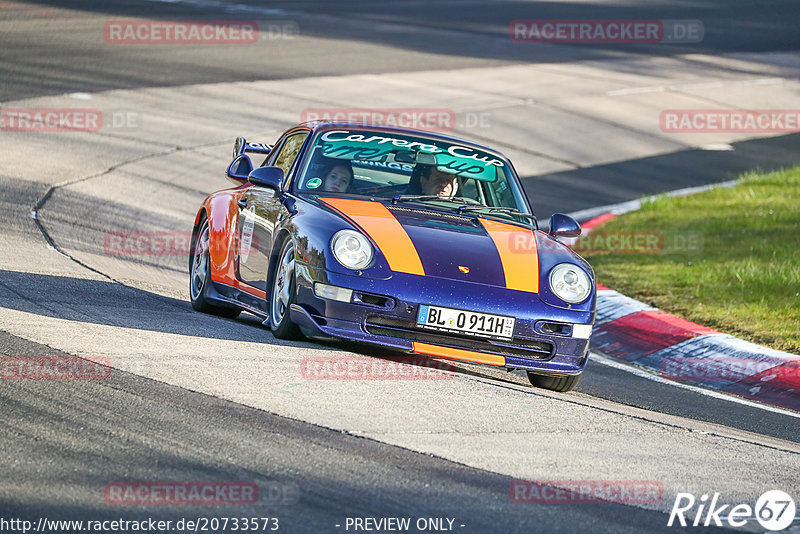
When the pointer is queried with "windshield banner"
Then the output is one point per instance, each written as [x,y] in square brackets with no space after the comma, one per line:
[455,159]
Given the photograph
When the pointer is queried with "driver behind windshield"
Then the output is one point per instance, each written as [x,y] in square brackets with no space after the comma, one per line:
[429,180]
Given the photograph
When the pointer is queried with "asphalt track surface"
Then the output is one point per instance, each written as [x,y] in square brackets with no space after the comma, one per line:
[63,441]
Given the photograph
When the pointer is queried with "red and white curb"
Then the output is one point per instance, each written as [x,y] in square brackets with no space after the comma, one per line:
[680,350]
[677,349]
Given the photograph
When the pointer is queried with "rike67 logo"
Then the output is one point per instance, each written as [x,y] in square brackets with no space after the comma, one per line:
[774,511]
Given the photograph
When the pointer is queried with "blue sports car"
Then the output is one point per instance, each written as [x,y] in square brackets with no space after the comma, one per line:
[406,239]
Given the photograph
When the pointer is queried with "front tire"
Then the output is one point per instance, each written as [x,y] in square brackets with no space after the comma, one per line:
[562,384]
[283,295]
[200,275]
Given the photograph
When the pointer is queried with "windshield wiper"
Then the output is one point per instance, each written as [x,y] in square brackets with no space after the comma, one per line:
[511,211]
[472,205]
[458,200]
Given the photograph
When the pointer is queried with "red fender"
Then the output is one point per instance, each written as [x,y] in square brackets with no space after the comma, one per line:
[223,213]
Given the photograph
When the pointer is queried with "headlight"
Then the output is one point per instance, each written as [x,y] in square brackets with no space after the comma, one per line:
[351,249]
[570,283]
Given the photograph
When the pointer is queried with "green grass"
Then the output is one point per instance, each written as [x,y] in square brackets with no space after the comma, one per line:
[730,259]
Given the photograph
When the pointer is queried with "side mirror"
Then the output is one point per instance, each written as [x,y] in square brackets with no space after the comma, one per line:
[240,168]
[270,177]
[564,226]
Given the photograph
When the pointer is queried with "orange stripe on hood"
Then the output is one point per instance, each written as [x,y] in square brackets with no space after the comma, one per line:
[518,254]
[384,229]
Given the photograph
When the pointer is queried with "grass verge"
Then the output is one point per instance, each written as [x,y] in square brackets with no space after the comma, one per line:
[727,258]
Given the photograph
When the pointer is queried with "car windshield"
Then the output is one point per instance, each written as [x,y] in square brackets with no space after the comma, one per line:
[400,168]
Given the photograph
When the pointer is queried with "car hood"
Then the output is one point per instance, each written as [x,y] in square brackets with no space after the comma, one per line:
[451,246]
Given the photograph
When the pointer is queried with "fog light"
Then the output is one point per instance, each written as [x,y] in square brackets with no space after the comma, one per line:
[581,331]
[325,291]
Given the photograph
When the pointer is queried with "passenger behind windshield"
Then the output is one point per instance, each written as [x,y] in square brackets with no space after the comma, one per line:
[337,177]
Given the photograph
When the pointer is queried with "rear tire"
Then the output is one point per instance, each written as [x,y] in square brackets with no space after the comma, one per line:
[562,384]
[283,294]
[200,275]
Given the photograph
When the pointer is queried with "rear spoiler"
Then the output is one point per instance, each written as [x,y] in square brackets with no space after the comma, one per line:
[241,166]
[243,146]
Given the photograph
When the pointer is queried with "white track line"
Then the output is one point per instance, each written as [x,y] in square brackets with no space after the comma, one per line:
[633,205]
[702,391]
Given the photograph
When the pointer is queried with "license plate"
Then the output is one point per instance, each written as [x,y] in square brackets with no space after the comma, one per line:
[465,322]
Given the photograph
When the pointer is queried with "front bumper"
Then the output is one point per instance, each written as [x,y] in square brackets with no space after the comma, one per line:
[383,312]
